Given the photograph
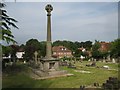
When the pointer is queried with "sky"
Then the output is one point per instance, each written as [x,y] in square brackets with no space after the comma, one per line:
[73,21]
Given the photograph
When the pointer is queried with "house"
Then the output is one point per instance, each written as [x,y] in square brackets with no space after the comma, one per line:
[61,51]
[20,53]
[104,46]
[82,49]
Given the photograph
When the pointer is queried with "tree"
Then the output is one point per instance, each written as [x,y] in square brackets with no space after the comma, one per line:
[31,46]
[42,48]
[78,44]
[78,53]
[6,22]
[87,45]
[115,48]
[95,50]
[6,50]
[5,30]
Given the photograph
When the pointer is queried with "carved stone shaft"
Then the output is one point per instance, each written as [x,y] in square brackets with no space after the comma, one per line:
[48,8]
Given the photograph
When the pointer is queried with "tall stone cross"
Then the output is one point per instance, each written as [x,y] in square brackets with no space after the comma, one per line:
[48,8]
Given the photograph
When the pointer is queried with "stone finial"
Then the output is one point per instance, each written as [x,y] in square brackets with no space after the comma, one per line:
[49,8]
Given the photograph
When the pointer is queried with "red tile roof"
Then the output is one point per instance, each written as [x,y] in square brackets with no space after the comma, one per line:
[105,46]
[60,49]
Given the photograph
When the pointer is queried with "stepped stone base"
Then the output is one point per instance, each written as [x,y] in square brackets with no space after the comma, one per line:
[52,74]
[49,68]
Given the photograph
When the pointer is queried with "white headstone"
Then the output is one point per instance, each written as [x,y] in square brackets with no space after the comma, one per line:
[106,67]
[89,60]
[103,60]
[113,60]
[24,62]
[95,60]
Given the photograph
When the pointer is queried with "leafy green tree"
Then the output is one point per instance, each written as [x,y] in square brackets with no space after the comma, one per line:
[87,45]
[42,48]
[31,46]
[5,31]
[6,50]
[115,48]
[104,54]
[6,21]
[95,50]
[78,53]
[78,44]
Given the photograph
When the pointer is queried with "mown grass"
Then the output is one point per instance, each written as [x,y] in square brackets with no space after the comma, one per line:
[20,78]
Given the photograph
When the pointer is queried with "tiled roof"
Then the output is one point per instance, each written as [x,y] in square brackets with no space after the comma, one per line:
[82,49]
[21,50]
[60,49]
[104,46]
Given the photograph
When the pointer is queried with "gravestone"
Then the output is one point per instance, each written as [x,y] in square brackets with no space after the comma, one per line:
[89,60]
[113,60]
[70,65]
[36,57]
[63,63]
[111,84]
[94,60]
[106,67]
[104,60]
[82,87]
[108,58]
[92,64]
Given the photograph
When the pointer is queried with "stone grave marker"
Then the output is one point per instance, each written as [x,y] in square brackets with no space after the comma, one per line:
[36,56]
[113,60]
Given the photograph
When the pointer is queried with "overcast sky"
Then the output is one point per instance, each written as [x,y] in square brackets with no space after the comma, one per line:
[74,21]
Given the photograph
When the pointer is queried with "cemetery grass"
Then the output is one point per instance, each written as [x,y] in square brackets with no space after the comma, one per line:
[20,77]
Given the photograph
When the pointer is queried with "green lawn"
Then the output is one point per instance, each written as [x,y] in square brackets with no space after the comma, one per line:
[20,78]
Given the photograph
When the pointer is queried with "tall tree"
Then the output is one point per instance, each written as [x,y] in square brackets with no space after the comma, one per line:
[6,21]
[88,45]
[6,50]
[5,31]
[115,48]
[42,48]
[32,45]
[78,53]
[95,50]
